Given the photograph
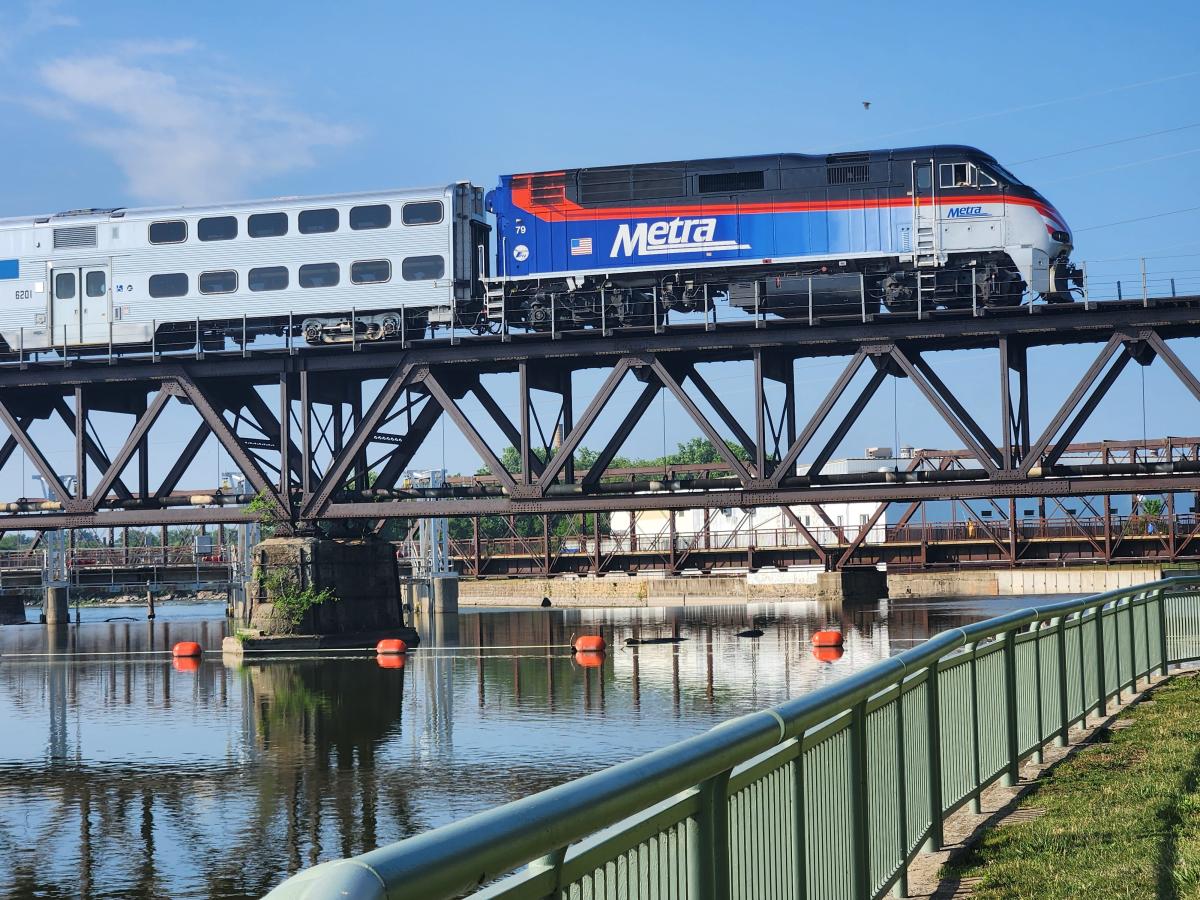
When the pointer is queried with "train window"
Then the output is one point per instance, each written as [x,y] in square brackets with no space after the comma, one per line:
[955,175]
[924,178]
[427,212]
[319,275]
[217,228]
[318,221]
[268,278]
[95,284]
[371,271]
[174,232]
[726,182]
[64,285]
[224,282]
[423,268]
[378,215]
[267,225]
[984,179]
[173,285]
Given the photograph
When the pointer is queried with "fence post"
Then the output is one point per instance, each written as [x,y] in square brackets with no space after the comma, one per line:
[976,768]
[933,842]
[1162,629]
[1012,771]
[860,827]
[900,888]
[1064,711]
[1132,646]
[708,842]
[1036,628]
[1101,679]
[800,853]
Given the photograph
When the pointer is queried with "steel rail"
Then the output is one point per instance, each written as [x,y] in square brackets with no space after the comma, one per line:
[831,794]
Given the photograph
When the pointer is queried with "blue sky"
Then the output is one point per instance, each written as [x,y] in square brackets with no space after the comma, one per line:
[148,102]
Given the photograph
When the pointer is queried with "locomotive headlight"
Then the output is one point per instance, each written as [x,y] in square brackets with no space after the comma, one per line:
[1060,237]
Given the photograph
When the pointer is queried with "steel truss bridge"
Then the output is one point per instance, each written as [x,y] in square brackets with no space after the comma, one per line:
[1037,531]
[335,428]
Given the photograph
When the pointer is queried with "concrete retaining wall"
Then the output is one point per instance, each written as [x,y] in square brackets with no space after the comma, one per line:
[863,585]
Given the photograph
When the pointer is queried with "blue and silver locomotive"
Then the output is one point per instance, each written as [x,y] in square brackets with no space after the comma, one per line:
[944,224]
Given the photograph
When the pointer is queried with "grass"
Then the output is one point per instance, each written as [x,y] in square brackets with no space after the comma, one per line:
[1122,816]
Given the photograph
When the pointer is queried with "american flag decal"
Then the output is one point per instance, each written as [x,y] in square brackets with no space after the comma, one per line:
[581,246]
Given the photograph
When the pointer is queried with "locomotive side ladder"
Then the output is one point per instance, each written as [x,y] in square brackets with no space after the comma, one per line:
[926,252]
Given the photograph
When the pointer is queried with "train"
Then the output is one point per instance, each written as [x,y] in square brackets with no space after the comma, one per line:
[618,246]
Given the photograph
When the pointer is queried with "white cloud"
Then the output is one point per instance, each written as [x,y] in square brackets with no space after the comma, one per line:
[179,134]
[39,16]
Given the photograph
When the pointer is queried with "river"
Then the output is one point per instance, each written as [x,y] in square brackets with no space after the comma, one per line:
[124,774]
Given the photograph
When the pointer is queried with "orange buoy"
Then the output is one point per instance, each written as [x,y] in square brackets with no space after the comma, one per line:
[186,648]
[589,643]
[390,660]
[827,639]
[391,645]
[827,654]
[186,663]
[590,659]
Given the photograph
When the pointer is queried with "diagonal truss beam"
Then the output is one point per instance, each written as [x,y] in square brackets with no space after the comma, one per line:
[401,377]
[953,413]
[10,443]
[35,455]
[816,546]
[418,431]
[572,441]
[171,480]
[474,438]
[1176,365]
[605,457]
[731,421]
[144,423]
[229,440]
[88,444]
[848,420]
[511,432]
[1089,406]
[1033,457]
[689,405]
[788,463]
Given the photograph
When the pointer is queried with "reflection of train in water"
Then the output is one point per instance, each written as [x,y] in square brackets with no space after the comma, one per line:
[620,246]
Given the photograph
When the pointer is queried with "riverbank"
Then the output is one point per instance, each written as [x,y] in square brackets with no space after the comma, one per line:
[767,585]
[1120,817]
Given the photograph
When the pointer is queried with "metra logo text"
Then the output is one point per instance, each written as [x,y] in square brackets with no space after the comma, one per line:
[966,212]
[675,236]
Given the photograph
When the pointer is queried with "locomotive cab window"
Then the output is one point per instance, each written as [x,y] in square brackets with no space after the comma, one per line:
[174,284]
[319,275]
[267,225]
[217,228]
[423,268]
[954,175]
[376,216]
[426,212]
[984,179]
[268,278]
[318,221]
[371,271]
[174,232]
[224,282]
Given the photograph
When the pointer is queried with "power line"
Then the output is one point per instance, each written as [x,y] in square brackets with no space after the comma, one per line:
[1173,212]
[1126,140]
[1128,165]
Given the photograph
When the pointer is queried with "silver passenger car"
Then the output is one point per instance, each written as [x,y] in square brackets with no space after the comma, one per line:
[320,265]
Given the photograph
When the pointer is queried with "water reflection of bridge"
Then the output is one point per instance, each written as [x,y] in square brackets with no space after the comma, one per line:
[130,776]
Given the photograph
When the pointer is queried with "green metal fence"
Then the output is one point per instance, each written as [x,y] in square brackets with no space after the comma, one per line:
[827,796]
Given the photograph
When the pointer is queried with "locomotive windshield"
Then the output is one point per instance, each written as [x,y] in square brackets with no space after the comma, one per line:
[1003,174]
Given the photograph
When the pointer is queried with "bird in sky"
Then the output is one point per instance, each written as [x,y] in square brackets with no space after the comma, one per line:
[866,104]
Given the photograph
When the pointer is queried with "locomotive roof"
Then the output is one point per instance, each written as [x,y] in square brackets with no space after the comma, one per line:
[771,159]
[92,216]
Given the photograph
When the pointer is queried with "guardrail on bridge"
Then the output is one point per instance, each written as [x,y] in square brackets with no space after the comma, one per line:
[828,795]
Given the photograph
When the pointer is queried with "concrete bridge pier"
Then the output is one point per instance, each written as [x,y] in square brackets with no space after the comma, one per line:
[443,595]
[55,610]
